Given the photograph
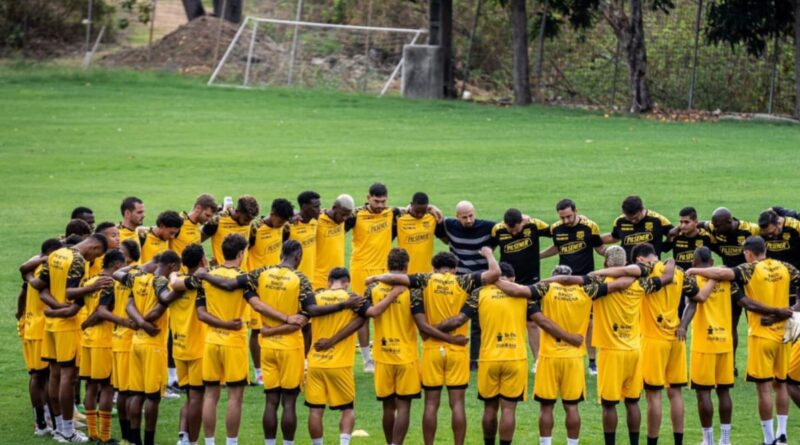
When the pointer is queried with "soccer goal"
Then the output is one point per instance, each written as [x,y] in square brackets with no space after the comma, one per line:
[314,55]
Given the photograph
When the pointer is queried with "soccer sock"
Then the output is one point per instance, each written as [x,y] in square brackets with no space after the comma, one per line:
[258,373]
[634,438]
[135,436]
[782,421]
[505,442]
[91,423]
[767,429]
[545,440]
[59,423]
[149,437]
[652,440]
[678,438]
[610,438]
[366,353]
[231,441]
[316,441]
[708,436]
[125,428]
[344,439]
[288,442]
[47,414]
[270,441]
[725,432]
[210,441]
[572,441]
[105,425]
[173,376]
[38,414]
[488,441]
[67,428]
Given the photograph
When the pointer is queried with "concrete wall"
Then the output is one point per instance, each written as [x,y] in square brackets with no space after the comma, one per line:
[423,77]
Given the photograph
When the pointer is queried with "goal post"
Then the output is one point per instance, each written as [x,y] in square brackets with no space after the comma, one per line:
[266,51]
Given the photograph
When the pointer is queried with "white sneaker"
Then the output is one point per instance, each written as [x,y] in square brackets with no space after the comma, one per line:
[77,415]
[535,364]
[260,380]
[43,431]
[76,437]
[369,366]
[171,394]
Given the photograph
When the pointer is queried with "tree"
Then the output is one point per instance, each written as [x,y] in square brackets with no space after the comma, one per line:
[753,24]
[194,9]
[519,47]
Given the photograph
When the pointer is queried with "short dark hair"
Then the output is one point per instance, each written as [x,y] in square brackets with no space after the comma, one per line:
[444,260]
[564,204]
[398,259]
[77,211]
[77,227]
[192,255]
[283,208]
[129,203]
[507,270]
[420,198]
[767,218]
[206,201]
[232,245]
[103,226]
[169,218]
[632,205]
[378,189]
[755,244]
[290,247]
[512,217]
[703,255]
[168,257]
[72,240]
[51,245]
[338,273]
[690,212]
[113,257]
[306,198]
[642,250]
[247,205]
[134,251]
[100,238]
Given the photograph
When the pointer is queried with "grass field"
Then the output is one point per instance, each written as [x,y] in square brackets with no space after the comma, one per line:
[69,138]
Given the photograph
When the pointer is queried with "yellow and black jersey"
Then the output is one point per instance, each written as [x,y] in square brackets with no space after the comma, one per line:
[617,316]
[395,330]
[786,246]
[145,291]
[503,319]
[653,229]
[266,243]
[126,233]
[34,310]
[767,282]
[220,226]
[416,236]
[305,233]
[660,317]
[729,245]
[372,237]
[443,296]
[226,306]
[65,268]
[521,250]
[712,330]
[122,336]
[575,244]
[326,326]
[99,335]
[188,332]
[152,245]
[683,247]
[330,249]
[285,290]
[189,234]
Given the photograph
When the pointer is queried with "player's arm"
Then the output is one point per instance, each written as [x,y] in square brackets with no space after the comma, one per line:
[608,238]
[631,270]
[555,330]
[620,284]
[22,300]
[490,275]
[468,311]
[268,311]
[47,299]
[354,302]
[687,316]
[393,279]
[31,265]
[428,331]
[204,316]
[705,291]
[564,279]
[547,253]
[133,314]
[209,229]
[64,312]
[713,273]
[441,233]
[286,328]
[514,289]
[229,284]
[326,343]
[774,313]
[104,313]
[378,309]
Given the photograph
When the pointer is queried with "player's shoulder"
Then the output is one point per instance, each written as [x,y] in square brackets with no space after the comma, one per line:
[652,214]
[620,220]
[748,226]
[584,221]
[791,223]
[499,227]
[704,233]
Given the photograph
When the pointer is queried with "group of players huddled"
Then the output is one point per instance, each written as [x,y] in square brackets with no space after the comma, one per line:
[116,305]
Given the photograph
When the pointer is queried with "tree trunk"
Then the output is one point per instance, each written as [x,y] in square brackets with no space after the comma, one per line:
[630,32]
[440,32]
[797,58]
[540,55]
[519,48]
[233,10]
[194,9]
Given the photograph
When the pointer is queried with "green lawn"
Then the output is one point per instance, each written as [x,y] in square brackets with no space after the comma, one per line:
[69,138]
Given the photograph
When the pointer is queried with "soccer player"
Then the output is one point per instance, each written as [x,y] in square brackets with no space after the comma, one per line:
[96,356]
[444,364]
[782,237]
[77,227]
[329,380]
[157,239]
[32,334]
[767,281]
[188,341]
[229,221]
[84,213]
[330,239]
[304,230]
[267,236]
[149,299]
[416,231]
[111,232]
[59,284]
[205,206]
[686,238]
[132,210]
[638,225]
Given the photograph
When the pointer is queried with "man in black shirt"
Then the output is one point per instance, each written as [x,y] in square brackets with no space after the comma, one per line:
[687,237]
[638,225]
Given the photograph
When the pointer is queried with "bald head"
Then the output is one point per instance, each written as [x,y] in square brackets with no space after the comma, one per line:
[465,213]
[722,219]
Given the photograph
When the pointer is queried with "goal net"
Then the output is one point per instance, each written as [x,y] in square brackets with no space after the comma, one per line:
[267,52]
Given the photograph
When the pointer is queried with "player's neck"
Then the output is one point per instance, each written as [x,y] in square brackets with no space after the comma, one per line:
[232,264]
[692,233]
[126,224]
[192,216]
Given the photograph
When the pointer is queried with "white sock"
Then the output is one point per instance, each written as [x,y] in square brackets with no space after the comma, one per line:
[767,429]
[316,441]
[366,353]
[183,435]
[67,428]
[545,440]
[48,414]
[173,375]
[59,423]
[572,441]
[288,442]
[258,373]
[725,432]
[344,439]
[269,441]
[782,421]
[231,441]
[708,436]
[210,441]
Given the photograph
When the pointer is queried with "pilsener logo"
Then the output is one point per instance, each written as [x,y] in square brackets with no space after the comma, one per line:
[638,238]
[516,246]
[572,247]
[777,245]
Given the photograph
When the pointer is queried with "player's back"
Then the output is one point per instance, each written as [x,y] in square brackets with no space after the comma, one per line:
[569,307]
[326,326]
[144,290]
[281,288]
[395,330]
[503,325]
[226,305]
[617,318]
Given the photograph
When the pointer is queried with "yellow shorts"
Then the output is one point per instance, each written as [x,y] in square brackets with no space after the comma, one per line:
[560,377]
[767,360]
[282,369]
[445,367]
[507,379]
[253,318]
[358,278]
[32,350]
[225,364]
[62,347]
[331,387]
[663,364]
[190,373]
[712,370]
[793,375]
[400,381]
[619,376]
[96,365]
[120,370]
[147,369]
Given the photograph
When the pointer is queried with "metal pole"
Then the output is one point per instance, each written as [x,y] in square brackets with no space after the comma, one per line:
[227,52]
[540,57]
[152,25]
[221,18]
[397,68]
[250,54]
[87,59]
[774,78]
[294,40]
[89,26]
[469,47]
[694,58]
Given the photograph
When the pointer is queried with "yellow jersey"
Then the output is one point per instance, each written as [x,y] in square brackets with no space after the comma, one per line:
[145,289]
[189,234]
[503,319]
[326,326]
[330,249]
[767,282]
[285,290]
[221,226]
[227,306]
[306,235]
[660,317]
[443,296]
[121,336]
[65,268]
[34,310]
[416,236]
[266,244]
[711,327]
[395,331]
[152,246]
[126,234]
[95,267]
[617,317]
[372,238]
[99,335]
[188,332]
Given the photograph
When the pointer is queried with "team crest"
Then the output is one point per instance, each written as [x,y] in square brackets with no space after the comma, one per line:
[526,232]
[740,240]
[580,235]
[786,236]
[648,226]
